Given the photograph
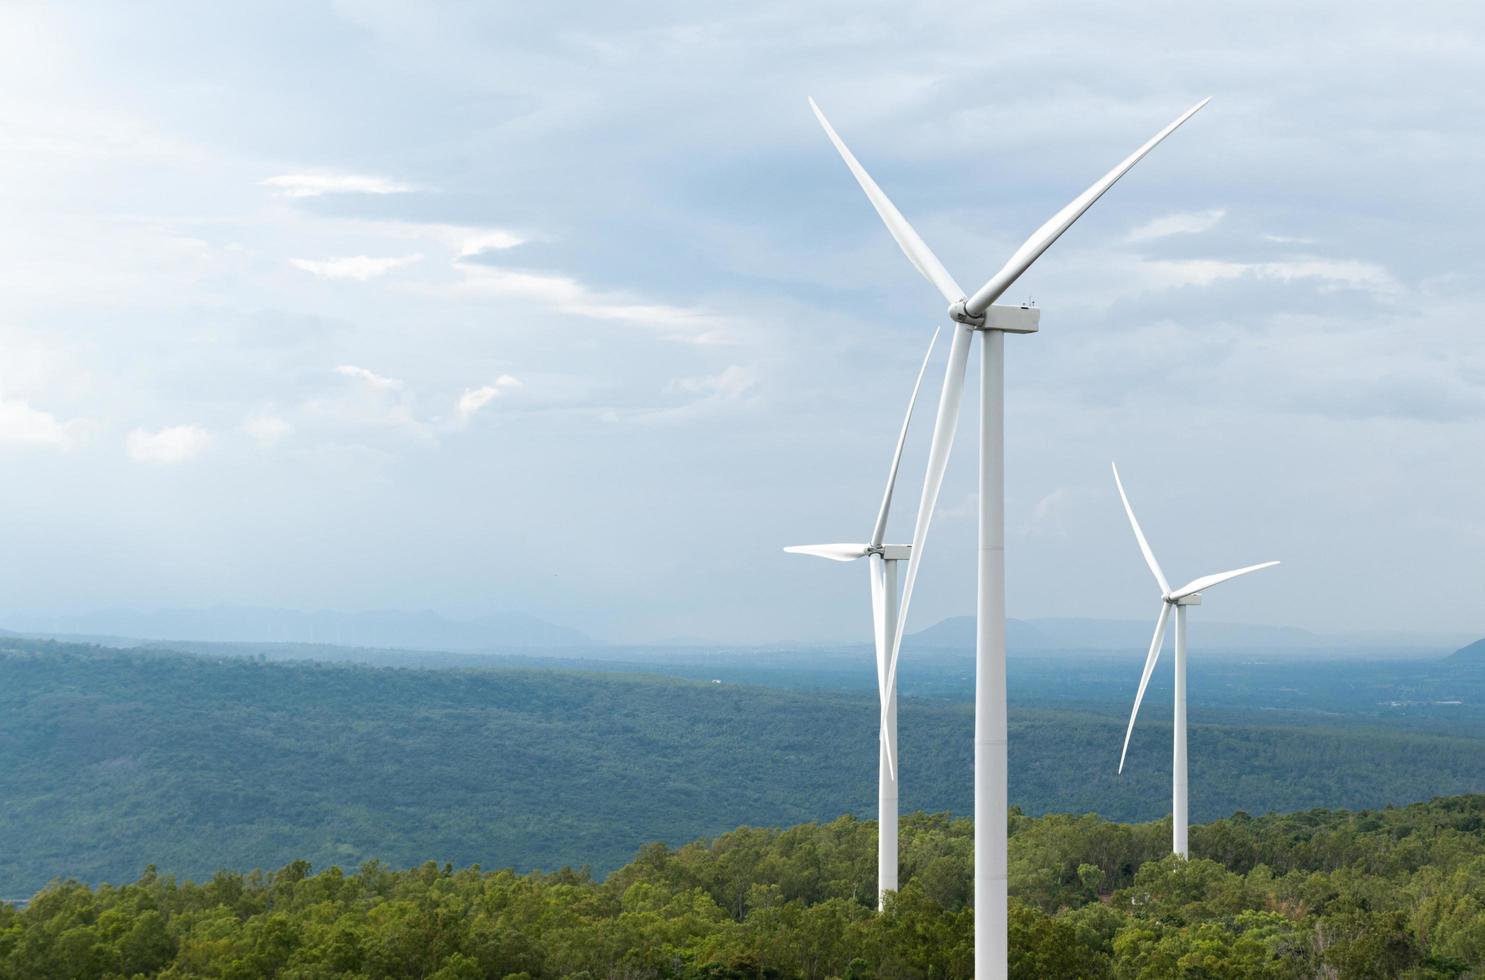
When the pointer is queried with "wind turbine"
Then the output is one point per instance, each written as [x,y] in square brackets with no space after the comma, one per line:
[971,314]
[882,562]
[1187,595]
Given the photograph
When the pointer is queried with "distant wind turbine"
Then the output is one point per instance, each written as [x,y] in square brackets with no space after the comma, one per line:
[972,313]
[882,562]
[1187,595]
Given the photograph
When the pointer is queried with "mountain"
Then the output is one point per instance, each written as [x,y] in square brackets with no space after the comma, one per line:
[111,760]
[1037,636]
[1473,652]
[244,624]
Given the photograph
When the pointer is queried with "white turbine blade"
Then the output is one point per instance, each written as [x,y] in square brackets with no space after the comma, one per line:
[1048,233]
[1140,536]
[879,532]
[1207,581]
[1150,659]
[938,460]
[877,566]
[835,552]
[918,253]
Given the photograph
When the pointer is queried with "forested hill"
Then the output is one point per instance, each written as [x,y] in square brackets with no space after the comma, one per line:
[1341,896]
[111,761]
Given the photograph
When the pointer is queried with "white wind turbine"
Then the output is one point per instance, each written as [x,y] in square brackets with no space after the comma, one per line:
[1187,595]
[882,565]
[971,314]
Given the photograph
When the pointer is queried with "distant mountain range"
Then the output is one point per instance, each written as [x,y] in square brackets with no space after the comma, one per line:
[237,624]
[1474,651]
[516,633]
[1057,635]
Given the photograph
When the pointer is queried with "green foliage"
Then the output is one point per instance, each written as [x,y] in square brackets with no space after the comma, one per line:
[1389,893]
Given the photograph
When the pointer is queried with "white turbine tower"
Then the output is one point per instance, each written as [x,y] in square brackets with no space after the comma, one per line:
[971,314]
[1187,595]
[882,565]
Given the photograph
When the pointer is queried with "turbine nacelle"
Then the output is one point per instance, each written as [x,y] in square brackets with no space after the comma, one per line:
[1007,319]
[851,552]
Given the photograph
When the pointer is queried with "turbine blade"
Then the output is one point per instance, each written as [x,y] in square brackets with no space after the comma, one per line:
[1140,536]
[1207,581]
[918,253]
[835,552]
[877,567]
[933,480]
[1043,237]
[879,532]
[1150,659]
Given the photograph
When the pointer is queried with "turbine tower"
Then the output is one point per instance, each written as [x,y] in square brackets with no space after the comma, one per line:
[1179,599]
[882,562]
[971,314]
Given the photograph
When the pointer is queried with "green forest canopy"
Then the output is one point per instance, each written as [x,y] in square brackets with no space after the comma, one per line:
[1382,894]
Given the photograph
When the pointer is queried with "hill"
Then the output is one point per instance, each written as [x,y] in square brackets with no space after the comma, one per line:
[1391,893]
[1474,652]
[112,760]
[1034,636]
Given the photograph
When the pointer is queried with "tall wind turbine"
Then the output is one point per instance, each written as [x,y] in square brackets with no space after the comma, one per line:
[1187,595]
[882,562]
[971,314]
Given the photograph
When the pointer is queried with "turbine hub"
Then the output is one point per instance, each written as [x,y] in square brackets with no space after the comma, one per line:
[959,314]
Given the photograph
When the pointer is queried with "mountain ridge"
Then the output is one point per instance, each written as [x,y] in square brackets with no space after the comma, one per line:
[1069,634]
[1470,651]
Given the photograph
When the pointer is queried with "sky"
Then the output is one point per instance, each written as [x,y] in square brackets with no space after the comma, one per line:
[571,309]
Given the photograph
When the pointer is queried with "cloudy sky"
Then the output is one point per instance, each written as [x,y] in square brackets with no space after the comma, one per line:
[572,309]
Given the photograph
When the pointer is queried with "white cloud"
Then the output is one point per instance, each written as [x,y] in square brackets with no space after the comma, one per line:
[730,384]
[567,295]
[359,267]
[372,400]
[371,378]
[1181,223]
[462,240]
[1049,515]
[266,430]
[728,390]
[1330,273]
[1174,273]
[313,185]
[473,242]
[171,444]
[475,399]
[20,424]
[1340,272]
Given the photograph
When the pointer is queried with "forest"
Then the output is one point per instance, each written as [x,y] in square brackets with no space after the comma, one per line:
[111,761]
[1324,894]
